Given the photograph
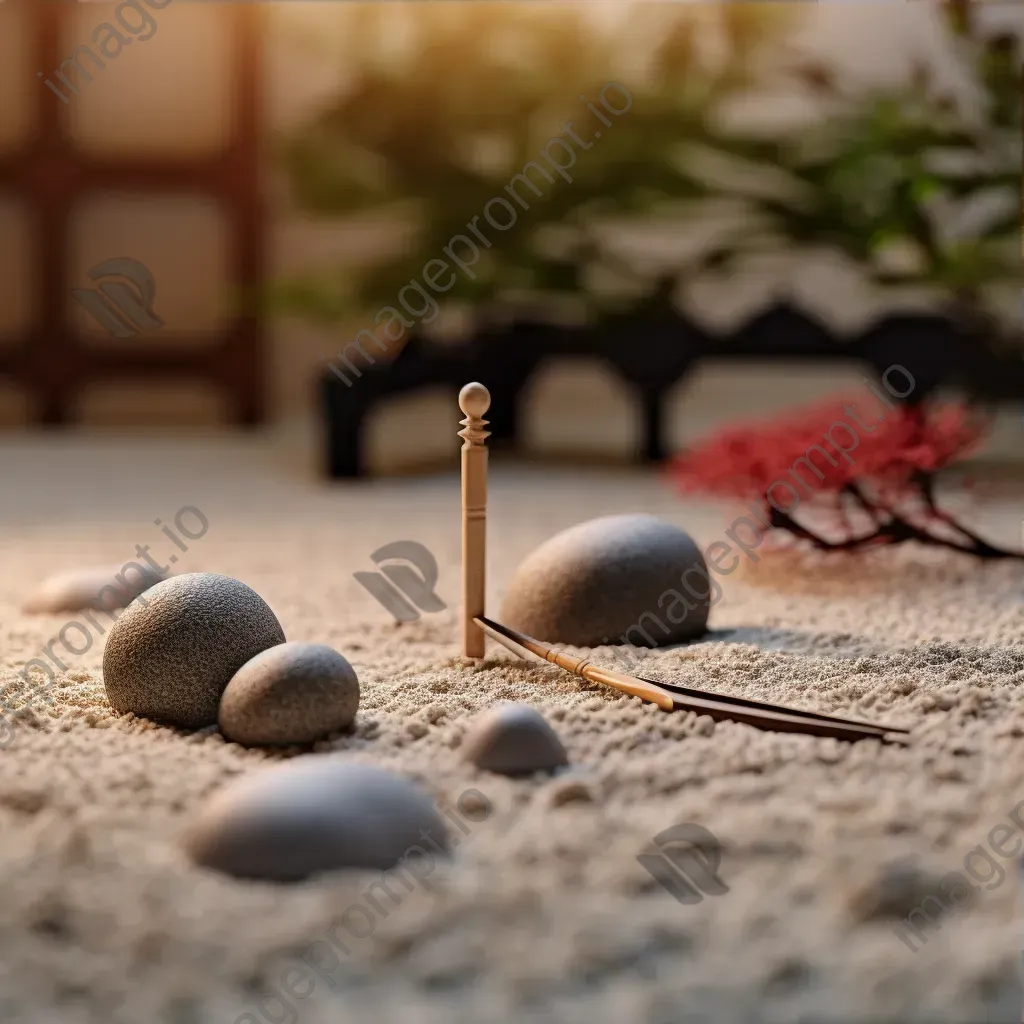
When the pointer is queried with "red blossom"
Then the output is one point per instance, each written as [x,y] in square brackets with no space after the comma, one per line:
[889,448]
[858,454]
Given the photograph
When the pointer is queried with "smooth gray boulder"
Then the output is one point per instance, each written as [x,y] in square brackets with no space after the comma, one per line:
[312,815]
[171,658]
[102,588]
[291,693]
[624,579]
[513,739]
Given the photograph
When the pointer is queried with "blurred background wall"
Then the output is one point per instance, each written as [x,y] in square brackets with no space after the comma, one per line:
[168,106]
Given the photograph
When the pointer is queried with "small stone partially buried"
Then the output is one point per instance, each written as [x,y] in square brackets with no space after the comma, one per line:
[312,815]
[103,588]
[291,693]
[513,739]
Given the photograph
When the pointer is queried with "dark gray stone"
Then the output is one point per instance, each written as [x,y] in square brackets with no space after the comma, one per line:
[103,588]
[171,658]
[513,739]
[317,814]
[625,579]
[292,693]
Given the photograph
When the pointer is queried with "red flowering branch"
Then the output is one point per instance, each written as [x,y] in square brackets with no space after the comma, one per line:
[874,462]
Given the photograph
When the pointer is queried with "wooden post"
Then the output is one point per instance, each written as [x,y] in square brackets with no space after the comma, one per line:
[474,401]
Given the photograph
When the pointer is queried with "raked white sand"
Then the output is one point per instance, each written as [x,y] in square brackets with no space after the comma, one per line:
[544,914]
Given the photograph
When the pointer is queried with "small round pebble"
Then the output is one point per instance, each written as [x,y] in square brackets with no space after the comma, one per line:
[103,588]
[625,579]
[315,814]
[292,693]
[172,657]
[513,739]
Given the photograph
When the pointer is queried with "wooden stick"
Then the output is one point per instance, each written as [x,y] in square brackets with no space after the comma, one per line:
[474,401]
[744,702]
[763,716]
[522,645]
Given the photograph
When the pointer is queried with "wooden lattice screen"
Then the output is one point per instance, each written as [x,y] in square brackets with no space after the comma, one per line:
[50,176]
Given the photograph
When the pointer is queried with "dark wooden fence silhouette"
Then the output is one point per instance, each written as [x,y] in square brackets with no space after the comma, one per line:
[49,175]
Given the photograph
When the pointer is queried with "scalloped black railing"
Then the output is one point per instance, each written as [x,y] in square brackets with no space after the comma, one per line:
[652,355]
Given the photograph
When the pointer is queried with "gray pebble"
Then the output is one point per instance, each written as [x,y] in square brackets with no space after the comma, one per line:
[103,588]
[292,693]
[513,739]
[316,814]
[626,579]
[171,658]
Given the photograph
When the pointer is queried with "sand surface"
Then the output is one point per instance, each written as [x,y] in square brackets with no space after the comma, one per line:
[544,914]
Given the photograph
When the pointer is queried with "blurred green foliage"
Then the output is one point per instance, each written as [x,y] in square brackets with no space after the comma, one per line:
[433,121]
[914,169]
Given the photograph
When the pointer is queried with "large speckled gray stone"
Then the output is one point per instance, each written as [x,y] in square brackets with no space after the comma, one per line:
[311,815]
[625,579]
[513,739]
[292,693]
[171,658]
[103,588]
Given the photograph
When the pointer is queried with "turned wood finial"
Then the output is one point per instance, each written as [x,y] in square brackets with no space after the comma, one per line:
[474,401]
